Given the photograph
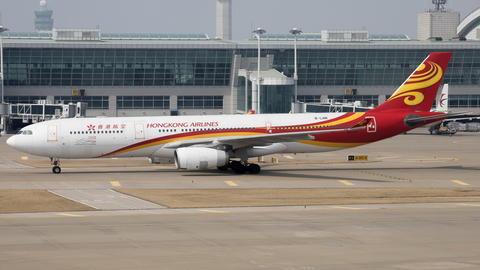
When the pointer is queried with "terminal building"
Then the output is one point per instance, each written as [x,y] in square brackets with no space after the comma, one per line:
[131,74]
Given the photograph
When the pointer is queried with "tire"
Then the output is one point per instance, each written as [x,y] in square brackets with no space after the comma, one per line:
[254,168]
[56,169]
[223,168]
[239,168]
[233,163]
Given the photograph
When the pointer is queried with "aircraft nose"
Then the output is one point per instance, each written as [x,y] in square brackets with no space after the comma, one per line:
[11,141]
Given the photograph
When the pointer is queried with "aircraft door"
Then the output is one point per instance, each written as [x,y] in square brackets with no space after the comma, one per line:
[372,126]
[139,131]
[269,127]
[52,133]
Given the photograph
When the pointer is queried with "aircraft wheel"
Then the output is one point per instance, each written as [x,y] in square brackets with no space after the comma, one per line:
[233,163]
[434,132]
[56,170]
[239,168]
[223,168]
[254,168]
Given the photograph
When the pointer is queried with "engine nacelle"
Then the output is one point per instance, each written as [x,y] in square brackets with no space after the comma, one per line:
[200,158]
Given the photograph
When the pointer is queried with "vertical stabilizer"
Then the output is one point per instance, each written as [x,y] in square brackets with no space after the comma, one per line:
[442,103]
[418,92]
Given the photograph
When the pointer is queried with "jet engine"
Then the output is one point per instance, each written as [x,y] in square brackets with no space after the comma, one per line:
[200,158]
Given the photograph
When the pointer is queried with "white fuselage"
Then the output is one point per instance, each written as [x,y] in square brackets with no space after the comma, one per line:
[147,136]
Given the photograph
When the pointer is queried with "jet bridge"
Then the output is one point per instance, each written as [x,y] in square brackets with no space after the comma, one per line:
[20,115]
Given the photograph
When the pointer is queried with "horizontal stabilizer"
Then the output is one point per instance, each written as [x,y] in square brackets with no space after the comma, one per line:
[413,120]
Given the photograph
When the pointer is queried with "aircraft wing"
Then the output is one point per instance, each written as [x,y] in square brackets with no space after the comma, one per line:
[261,139]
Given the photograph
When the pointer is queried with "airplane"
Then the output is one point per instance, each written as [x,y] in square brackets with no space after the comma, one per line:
[441,127]
[442,106]
[442,102]
[227,141]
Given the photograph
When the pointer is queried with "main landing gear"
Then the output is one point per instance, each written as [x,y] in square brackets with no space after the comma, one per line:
[240,167]
[56,168]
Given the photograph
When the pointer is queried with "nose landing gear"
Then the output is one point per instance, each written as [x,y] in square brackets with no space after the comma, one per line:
[56,168]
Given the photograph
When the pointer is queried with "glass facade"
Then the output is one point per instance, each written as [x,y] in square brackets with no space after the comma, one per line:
[24,99]
[458,101]
[341,66]
[200,102]
[276,98]
[94,102]
[143,102]
[241,95]
[115,67]
[273,98]
[347,67]
[209,67]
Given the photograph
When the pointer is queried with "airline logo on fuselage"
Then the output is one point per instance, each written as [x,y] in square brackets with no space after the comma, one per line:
[182,124]
[106,126]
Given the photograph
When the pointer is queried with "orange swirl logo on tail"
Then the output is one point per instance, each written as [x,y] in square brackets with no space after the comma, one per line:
[426,75]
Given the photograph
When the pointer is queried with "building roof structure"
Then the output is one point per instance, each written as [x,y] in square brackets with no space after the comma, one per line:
[467,26]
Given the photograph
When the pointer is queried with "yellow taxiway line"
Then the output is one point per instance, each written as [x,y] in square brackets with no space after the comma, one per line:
[460,182]
[115,183]
[70,215]
[346,182]
[231,183]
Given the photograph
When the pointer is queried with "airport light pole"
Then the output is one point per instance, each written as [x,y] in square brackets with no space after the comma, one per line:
[295,32]
[2,29]
[258,33]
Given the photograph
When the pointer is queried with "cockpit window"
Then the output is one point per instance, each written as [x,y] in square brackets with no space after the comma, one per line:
[24,132]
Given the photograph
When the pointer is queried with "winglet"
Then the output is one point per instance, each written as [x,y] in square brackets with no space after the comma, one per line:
[251,112]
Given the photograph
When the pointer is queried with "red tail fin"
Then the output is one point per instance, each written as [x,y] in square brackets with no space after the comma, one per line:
[418,92]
